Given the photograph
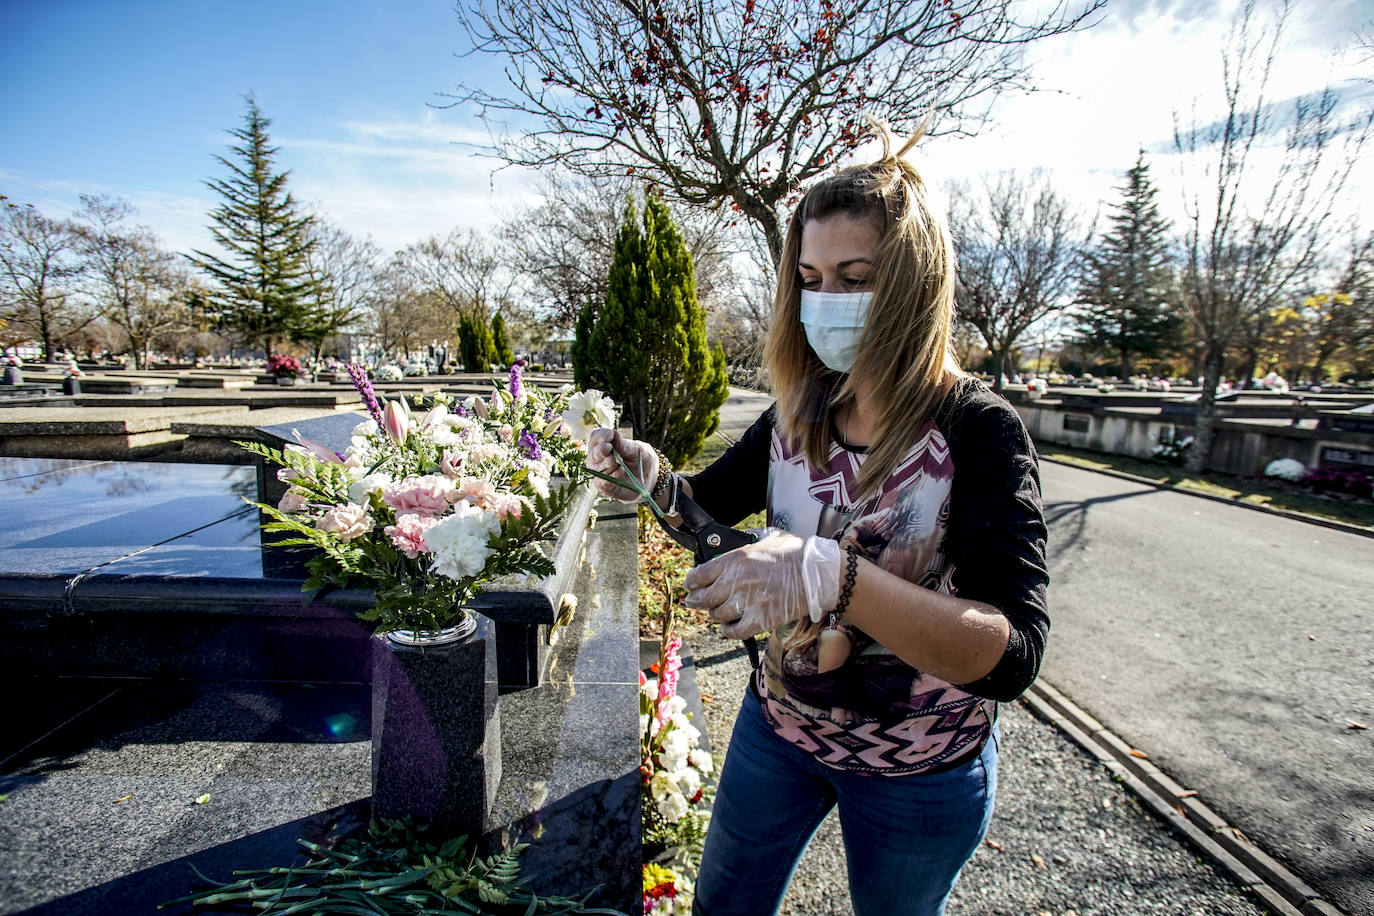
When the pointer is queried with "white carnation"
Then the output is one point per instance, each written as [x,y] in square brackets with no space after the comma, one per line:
[676,704]
[459,540]
[689,780]
[701,759]
[684,726]
[673,807]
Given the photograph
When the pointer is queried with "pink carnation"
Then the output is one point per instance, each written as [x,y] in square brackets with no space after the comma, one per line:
[477,490]
[428,495]
[408,534]
[348,521]
[507,504]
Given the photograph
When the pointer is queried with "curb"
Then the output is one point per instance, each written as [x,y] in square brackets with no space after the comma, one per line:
[1272,885]
[1347,527]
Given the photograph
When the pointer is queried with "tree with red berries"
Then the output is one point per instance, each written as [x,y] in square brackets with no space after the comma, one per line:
[738,103]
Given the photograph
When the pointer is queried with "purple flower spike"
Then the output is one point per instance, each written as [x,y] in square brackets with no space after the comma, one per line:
[364,387]
[515,387]
[530,445]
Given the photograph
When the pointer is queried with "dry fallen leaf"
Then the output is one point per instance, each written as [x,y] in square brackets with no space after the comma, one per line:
[124,798]
[1351,723]
[1038,860]
[1187,793]
[1106,802]
[1141,754]
[708,697]
[994,844]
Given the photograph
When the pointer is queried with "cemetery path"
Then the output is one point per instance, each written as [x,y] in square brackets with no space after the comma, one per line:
[1235,648]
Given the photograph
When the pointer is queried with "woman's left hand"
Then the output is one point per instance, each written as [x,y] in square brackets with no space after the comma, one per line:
[758,587]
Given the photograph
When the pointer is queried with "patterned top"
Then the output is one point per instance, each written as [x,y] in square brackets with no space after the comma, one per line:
[846,698]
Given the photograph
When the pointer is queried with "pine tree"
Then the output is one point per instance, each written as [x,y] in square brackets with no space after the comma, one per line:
[1127,286]
[647,343]
[499,344]
[263,282]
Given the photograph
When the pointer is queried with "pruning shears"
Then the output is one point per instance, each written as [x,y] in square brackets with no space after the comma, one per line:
[705,537]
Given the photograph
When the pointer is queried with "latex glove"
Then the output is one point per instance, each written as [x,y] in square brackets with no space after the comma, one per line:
[761,586]
[636,454]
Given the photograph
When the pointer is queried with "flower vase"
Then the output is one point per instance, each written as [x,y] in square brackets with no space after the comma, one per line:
[71,385]
[286,381]
[436,730]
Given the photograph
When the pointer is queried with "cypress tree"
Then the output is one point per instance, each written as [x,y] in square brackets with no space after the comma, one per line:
[475,349]
[499,345]
[1127,285]
[647,343]
[263,285]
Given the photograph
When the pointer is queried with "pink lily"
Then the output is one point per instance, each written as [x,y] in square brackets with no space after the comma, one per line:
[396,421]
[311,447]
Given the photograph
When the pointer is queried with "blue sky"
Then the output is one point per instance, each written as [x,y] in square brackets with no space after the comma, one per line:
[132,98]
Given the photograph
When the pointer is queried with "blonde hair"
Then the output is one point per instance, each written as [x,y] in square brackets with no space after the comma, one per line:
[904,356]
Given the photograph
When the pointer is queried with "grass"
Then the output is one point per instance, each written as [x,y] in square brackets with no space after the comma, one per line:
[1254,491]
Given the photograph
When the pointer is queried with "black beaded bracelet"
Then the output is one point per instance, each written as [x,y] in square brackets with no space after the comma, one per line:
[851,575]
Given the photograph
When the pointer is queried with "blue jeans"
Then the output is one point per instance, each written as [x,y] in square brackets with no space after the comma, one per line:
[905,837]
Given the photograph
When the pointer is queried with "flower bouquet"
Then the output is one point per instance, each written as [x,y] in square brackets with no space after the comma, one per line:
[284,366]
[674,793]
[429,508]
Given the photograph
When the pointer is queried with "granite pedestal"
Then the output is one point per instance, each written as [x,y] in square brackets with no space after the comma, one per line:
[436,731]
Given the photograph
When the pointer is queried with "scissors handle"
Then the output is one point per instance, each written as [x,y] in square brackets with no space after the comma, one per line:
[708,539]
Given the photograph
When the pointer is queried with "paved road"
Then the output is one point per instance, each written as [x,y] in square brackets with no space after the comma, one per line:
[741,410]
[1233,647]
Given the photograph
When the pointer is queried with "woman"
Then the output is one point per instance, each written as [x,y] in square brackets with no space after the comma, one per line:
[902,577]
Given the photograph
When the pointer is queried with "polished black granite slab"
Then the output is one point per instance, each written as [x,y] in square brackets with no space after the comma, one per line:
[103,776]
[129,568]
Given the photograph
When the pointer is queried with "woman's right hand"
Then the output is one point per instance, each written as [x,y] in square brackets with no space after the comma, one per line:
[601,449]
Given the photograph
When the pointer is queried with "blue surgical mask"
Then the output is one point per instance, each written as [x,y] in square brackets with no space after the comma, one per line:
[833,323]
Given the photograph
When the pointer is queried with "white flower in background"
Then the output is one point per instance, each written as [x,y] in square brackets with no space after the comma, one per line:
[389,374]
[538,478]
[459,540]
[445,436]
[701,759]
[684,725]
[589,410]
[672,804]
[643,723]
[1286,469]
[361,489]
[673,807]
[689,781]
[675,748]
